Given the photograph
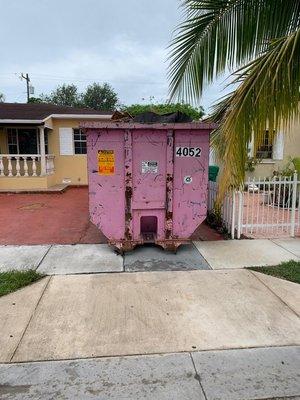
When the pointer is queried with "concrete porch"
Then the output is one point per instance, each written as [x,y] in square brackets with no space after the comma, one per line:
[24,160]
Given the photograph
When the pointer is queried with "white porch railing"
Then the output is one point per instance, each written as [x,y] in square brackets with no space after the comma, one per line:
[265,209]
[26,165]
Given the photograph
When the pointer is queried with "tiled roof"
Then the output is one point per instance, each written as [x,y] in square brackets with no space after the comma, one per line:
[39,111]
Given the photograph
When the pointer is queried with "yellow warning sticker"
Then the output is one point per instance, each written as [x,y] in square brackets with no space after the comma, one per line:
[106,162]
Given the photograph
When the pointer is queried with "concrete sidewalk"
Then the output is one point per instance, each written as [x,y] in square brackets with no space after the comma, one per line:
[97,258]
[230,254]
[212,375]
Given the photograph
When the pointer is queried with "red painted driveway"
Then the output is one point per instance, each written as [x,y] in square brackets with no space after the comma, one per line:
[47,218]
[56,218]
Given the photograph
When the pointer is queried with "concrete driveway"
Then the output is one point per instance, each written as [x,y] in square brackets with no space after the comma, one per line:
[152,325]
[79,316]
[226,334]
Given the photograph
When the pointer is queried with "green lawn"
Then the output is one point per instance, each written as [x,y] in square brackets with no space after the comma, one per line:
[289,270]
[13,280]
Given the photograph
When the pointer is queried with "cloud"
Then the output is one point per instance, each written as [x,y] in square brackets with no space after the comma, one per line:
[135,71]
[82,41]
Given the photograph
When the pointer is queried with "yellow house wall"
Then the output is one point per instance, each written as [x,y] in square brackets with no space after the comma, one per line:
[26,183]
[72,168]
[291,149]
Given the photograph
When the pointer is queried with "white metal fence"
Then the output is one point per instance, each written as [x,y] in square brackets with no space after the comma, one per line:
[266,208]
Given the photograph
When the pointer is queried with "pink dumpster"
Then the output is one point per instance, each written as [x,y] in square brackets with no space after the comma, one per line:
[147,182]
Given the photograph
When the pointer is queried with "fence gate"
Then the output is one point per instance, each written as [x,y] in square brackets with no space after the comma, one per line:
[267,208]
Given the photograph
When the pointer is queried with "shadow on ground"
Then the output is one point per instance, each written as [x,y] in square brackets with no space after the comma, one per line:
[154,258]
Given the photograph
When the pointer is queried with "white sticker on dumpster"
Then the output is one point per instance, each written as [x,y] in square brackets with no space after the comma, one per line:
[149,166]
[188,179]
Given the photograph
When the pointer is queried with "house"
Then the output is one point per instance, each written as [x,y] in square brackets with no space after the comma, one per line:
[271,151]
[41,145]
[274,150]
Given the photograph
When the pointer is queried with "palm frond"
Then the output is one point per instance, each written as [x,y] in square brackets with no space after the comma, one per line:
[267,98]
[220,34]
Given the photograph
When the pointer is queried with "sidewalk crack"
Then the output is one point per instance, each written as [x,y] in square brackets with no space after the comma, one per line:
[289,251]
[274,293]
[30,319]
[44,256]
[205,259]
[197,377]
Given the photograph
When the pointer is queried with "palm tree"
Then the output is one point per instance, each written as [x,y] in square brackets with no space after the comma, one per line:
[2,98]
[259,42]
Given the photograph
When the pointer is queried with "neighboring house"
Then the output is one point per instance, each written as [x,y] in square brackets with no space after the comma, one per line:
[272,150]
[41,145]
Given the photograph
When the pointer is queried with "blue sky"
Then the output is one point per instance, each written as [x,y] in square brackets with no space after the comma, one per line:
[82,41]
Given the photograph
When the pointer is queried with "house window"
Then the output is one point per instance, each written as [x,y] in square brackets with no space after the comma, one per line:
[25,141]
[264,145]
[22,140]
[79,141]
[12,138]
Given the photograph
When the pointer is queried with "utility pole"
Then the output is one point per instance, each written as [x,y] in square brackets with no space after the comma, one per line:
[27,79]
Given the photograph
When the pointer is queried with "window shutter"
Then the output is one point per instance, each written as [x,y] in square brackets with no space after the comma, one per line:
[212,157]
[278,146]
[251,146]
[66,144]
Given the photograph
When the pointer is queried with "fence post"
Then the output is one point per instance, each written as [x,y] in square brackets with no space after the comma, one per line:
[240,215]
[233,214]
[293,212]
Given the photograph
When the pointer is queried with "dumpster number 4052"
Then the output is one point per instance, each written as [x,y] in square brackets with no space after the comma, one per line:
[188,151]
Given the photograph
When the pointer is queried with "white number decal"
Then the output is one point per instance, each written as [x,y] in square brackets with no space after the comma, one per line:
[188,151]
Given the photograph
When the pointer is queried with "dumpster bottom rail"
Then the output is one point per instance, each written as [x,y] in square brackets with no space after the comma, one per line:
[167,244]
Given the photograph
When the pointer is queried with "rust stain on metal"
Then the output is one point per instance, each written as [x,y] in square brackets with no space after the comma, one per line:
[169,215]
[128,195]
[128,178]
[128,235]
[169,190]
[169,178]
[128,190]
[128,215]
[168,233]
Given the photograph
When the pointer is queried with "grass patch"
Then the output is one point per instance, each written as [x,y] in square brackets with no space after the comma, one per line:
[13,280]
[289,271]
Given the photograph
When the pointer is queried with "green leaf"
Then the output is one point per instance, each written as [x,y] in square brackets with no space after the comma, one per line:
[220,34]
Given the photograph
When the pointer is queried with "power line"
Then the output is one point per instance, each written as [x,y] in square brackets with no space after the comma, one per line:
[27,79]
[48,77]
[123,82]
[76,80]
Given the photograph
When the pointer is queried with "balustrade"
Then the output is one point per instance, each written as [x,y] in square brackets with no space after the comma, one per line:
[27,165]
